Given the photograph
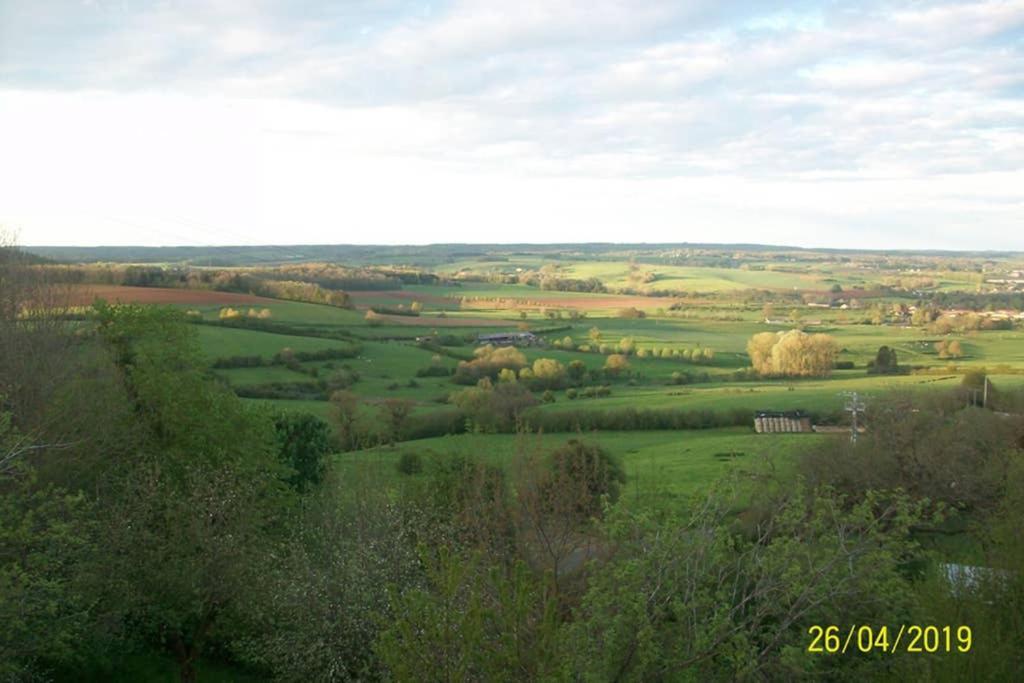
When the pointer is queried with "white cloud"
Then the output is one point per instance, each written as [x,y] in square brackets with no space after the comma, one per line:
[374,121]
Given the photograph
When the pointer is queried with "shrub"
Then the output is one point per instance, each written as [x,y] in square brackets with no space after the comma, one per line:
[435,371]
[409,463]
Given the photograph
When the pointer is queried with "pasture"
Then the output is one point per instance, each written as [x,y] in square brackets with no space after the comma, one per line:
[658,464]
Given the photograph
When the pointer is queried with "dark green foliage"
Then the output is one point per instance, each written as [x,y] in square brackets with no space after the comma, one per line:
[472,622]
[885,363]
[409,462]
[303,442]
[435,371]
[632,419]
[435,423]
[690,597]
[395,310]
[494,408]
[323,354]
[590,470]
[315,391]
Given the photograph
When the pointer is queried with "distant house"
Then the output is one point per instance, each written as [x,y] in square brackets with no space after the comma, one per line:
[509,339]
[773,422]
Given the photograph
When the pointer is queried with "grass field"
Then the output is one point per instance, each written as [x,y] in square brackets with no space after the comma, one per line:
[657,463]
[220,342]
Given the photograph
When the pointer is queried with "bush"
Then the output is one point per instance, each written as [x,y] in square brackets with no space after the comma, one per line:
[285,390]
[238,362]
[570,394]
[435,371]
[409,463]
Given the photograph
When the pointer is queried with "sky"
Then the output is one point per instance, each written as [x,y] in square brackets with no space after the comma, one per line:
[840,124]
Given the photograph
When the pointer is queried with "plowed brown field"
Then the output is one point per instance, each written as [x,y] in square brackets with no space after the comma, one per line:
[83,295]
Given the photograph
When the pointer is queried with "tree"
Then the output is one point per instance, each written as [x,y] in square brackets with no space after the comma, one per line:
[595,336]
[548,373]
[343,411]
[792,354]
[687,597]
[591,469]
[303,442]
[202,499]
[886,362]
[949,348]
[616,364]
[759,348]
[627,345]
[396,412]
[492,408]
[488,361]
[577,370]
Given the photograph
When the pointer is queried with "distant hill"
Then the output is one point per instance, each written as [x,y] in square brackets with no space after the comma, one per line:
[14,255]
[428,255]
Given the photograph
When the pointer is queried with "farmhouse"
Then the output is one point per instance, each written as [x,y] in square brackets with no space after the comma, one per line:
[770,422]
[510,339]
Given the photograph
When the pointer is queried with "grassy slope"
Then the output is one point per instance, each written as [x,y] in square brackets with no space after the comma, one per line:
[676,463]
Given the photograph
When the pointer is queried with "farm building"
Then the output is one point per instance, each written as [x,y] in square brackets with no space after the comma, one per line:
[510,339]
[770,422]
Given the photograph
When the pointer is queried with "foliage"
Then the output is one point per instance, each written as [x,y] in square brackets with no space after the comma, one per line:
[615,364]
[792,354]
[494,407]
[688,596]
[488,361]
[303,442]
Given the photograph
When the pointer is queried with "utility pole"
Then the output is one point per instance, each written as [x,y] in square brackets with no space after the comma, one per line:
[854,406]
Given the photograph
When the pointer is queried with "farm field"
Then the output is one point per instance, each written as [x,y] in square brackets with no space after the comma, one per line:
[683,329]
[84,295]
[657,463]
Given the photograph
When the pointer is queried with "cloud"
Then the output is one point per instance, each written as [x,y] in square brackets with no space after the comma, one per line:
[775,95]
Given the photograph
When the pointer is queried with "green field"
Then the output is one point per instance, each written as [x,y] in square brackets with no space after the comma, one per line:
[721,314]
[657,463]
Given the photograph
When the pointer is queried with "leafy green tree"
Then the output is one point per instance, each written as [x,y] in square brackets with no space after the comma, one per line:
[396,412]
[344,412]
[203,500]
[886,362]
[689,598]
[46,539]
[589,468]
[303,442]
[472,622]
